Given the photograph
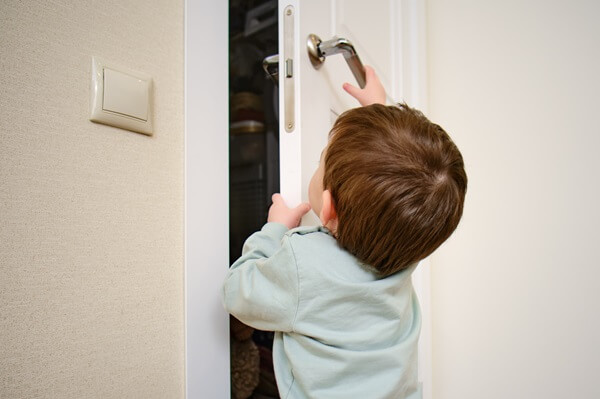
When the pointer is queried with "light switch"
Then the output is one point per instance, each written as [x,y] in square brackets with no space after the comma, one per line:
[121,97]
[125,94]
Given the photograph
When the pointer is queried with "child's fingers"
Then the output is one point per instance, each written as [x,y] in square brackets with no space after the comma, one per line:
[369,73]
[300,211]
[303,208]
[352,90]
[276,197]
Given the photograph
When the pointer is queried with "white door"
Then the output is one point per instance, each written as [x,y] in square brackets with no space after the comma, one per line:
[386,35]
[317,94]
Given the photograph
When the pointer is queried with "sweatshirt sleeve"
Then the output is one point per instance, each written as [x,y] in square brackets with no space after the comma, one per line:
[261,288]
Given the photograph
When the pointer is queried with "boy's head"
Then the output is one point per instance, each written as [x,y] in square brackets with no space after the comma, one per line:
[391,186]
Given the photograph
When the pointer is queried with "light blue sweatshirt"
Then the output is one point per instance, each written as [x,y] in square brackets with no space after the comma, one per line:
[340,330]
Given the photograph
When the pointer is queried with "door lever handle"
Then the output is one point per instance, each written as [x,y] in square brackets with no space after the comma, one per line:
[271,67]
[318,50]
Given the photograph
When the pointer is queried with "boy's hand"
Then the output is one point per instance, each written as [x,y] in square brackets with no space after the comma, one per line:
[280,213]
[373,93]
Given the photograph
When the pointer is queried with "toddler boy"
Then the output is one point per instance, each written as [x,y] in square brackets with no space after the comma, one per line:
[389,190]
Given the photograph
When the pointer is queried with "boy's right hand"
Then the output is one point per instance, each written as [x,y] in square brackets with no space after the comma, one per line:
[373,93]
[280,213]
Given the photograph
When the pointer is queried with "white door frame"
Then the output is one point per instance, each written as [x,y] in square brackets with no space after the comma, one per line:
[206,197]
[207,187]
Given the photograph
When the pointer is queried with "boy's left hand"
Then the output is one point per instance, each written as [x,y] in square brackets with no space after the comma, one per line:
[280,213]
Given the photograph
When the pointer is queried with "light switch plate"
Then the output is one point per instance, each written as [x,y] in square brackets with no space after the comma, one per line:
[121,97]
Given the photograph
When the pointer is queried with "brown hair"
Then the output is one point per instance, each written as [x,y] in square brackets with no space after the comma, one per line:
[398,184]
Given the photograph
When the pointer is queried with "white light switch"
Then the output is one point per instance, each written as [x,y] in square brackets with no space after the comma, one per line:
[125,94]
[121,97]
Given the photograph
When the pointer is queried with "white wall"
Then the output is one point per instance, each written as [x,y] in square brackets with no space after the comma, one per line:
[91,216]
[515,291]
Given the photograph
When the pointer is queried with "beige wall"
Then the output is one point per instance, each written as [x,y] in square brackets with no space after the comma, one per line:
[515,292]
[91,232]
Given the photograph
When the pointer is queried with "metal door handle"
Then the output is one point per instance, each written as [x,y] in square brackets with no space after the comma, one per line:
[318,50]
[271,66]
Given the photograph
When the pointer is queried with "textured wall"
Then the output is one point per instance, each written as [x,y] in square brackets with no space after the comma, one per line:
[516,304]
[91,232]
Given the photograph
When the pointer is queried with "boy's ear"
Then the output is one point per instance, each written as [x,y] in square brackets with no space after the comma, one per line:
[328,212]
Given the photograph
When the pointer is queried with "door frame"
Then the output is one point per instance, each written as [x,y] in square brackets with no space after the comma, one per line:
[206,180]
[206,219]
